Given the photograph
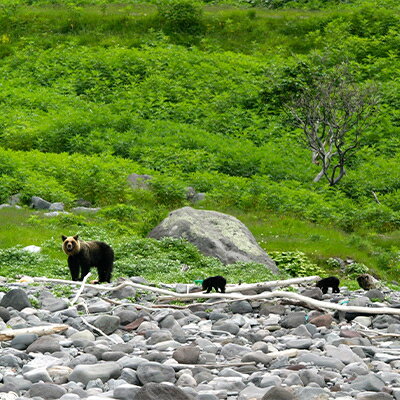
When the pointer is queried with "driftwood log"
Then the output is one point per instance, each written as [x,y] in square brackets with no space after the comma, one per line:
[9,334]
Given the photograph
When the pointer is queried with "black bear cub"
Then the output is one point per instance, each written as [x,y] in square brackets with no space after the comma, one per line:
[216,282]
[326,283]
[84,255]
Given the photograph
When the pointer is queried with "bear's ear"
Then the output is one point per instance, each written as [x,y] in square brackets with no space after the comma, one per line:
[76,237]
[63,237]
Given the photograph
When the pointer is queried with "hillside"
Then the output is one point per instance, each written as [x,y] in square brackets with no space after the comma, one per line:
[92,92]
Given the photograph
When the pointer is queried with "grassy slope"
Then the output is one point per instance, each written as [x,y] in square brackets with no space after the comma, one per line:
[275,232]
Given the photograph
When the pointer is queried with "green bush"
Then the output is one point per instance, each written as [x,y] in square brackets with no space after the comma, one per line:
[181,16]
[295,263]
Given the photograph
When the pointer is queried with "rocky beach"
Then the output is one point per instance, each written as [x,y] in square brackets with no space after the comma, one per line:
[124,344]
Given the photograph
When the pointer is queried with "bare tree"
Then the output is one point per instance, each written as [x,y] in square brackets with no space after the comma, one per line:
[333,112]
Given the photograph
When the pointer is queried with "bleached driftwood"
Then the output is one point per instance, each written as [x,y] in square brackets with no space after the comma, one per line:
[271,284]
[9,334]
[73,301]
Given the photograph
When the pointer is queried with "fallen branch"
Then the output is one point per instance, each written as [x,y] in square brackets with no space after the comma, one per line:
[271,284]
[81,289]
[9,334]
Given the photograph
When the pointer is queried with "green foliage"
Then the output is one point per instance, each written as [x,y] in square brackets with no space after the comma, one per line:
[355,269]
[181,16]
[295,263]
[16,262]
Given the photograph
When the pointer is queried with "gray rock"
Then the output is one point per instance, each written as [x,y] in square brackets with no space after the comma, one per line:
[112,355]
[56,206]
[293,320]
[277,393]
[83,359]
[15,298]
[126,316]
[312,393]
[104,371]
[299,343]
[322,361]
[375,294]
[314,293]
[47,390]
[370,382]
[107,323]
[126,392]
[157,391]
[270,308]
[258,357]
[270,380]
[18,382]
[355,369]
[383,321]
[37,375]
[187,354]
[231,350]
[214,234]
[44,344]
[51,303]
[342,353]
[241,307]
[4,314]
[10,360]
[130,376]
[153,372]
[39,203]
[123,293]
[159,336]
[307,376]
[21,342]
[226,326]
[374,396]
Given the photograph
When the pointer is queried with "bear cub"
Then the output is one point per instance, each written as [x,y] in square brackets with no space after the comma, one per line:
[84,255]
[216,282]
[326,283]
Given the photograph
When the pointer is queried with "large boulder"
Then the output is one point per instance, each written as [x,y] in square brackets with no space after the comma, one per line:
[214,234]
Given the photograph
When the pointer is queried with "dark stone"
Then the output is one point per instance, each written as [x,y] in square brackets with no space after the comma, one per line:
[157,391]
[278,393]
[44,344]
[187,354]
[39,203]
[4,314]
[15,298]
[46,390]
[21,342]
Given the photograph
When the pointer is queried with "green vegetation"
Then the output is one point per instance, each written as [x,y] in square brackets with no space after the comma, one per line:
[194,94]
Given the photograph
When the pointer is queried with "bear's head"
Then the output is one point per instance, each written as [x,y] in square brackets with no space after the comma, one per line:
[71,245]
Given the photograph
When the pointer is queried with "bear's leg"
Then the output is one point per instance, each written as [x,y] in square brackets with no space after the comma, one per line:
[222,288]
[335,289]
[325,290]
[209,289]
[73,265]
[104,273]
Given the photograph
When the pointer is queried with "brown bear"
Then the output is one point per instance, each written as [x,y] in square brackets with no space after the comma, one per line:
[84,255]
[216,282]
